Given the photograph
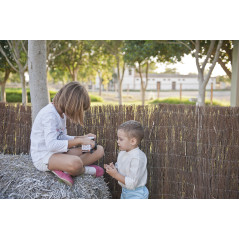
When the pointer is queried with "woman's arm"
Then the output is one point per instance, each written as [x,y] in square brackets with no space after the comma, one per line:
[81,140]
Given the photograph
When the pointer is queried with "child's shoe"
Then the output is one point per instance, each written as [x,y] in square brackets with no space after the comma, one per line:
[66,178]
[98,172]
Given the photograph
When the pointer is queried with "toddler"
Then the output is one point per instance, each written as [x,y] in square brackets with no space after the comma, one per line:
[130,169]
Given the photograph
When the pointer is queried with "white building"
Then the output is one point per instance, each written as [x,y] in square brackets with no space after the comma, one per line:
[163,81]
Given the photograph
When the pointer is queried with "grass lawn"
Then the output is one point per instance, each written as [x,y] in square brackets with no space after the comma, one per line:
[14,96]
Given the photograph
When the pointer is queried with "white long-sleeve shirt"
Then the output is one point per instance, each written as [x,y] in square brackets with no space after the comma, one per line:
[132,165]
[49,134]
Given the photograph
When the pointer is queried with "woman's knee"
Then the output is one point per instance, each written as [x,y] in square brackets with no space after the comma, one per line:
[76,166]
[100,151]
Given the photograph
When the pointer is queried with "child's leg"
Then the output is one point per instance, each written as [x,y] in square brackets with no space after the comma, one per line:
[65,162]
[88,158]
[138,193]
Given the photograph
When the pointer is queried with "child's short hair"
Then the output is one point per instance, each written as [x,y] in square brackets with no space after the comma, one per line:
[133,129]
[73,99]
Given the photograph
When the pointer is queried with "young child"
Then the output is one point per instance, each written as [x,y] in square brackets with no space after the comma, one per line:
[51,147]
[130,169]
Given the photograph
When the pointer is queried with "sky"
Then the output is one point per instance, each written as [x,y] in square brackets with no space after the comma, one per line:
[188,65]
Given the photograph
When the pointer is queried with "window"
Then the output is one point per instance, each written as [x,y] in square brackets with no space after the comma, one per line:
[130,71]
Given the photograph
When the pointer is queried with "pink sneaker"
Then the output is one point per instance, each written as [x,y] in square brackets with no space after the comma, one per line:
[66,178]
[99,171]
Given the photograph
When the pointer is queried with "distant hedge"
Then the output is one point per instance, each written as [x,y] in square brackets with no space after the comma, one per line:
[183,101]
[15,96]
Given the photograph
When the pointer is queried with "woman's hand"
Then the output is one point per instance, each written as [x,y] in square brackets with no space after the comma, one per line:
[91,135]
[86,141]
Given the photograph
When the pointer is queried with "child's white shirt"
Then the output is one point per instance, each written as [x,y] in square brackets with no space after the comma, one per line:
[49,134]
[132,165]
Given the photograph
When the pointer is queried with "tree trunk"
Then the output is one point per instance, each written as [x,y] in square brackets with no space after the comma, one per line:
[100,83]
[3,84]
[3,93]
[203,80]
[37,75]
[223,65]
[24,91]
[119,81]
[120,92]
[143,89]
[201,94]
[75,74]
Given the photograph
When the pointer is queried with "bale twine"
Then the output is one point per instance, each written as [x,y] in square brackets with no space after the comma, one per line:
[19,179]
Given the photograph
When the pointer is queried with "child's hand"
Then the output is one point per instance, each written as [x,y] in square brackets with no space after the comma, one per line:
[106,166]
[111,170]
[111,165]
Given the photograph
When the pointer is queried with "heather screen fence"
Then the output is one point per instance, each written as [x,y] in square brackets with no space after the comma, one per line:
[192,152]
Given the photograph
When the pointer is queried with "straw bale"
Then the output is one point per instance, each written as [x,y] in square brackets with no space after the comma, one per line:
[19,179]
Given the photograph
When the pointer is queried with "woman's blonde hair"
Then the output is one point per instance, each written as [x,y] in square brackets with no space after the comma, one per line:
[72,99]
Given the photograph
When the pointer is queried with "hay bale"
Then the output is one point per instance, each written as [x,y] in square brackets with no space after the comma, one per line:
[20,179]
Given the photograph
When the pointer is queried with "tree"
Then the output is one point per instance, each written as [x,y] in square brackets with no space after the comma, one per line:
[208,52]
[37,73]
[71,56]
[5,68]
[114,48]
[225,56]
[170,71]
[199,52]
[19,55]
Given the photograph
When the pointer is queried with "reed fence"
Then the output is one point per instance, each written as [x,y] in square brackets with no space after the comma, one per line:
[192,152]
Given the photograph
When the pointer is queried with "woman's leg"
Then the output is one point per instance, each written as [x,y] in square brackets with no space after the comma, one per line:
[73,161]
[88,158]
[64,162]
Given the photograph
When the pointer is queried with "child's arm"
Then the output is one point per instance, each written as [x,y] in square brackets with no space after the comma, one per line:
[112,171]
[81,140]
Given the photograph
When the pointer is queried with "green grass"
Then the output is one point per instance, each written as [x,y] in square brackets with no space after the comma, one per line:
[14,95]
[186,102]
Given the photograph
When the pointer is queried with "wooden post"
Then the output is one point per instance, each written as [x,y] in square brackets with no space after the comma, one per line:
[211,92]
[235,75]
[180,91]
[158,89]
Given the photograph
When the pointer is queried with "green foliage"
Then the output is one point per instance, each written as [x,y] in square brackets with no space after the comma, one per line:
[170,71]
[223,79]
[94,98]
[183,101]
[14,95]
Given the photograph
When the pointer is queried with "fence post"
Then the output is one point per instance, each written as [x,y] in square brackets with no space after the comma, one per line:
[211,92]
[158,89]
[180,91]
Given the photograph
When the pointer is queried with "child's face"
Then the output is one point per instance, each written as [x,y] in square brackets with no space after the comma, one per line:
[124,142]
